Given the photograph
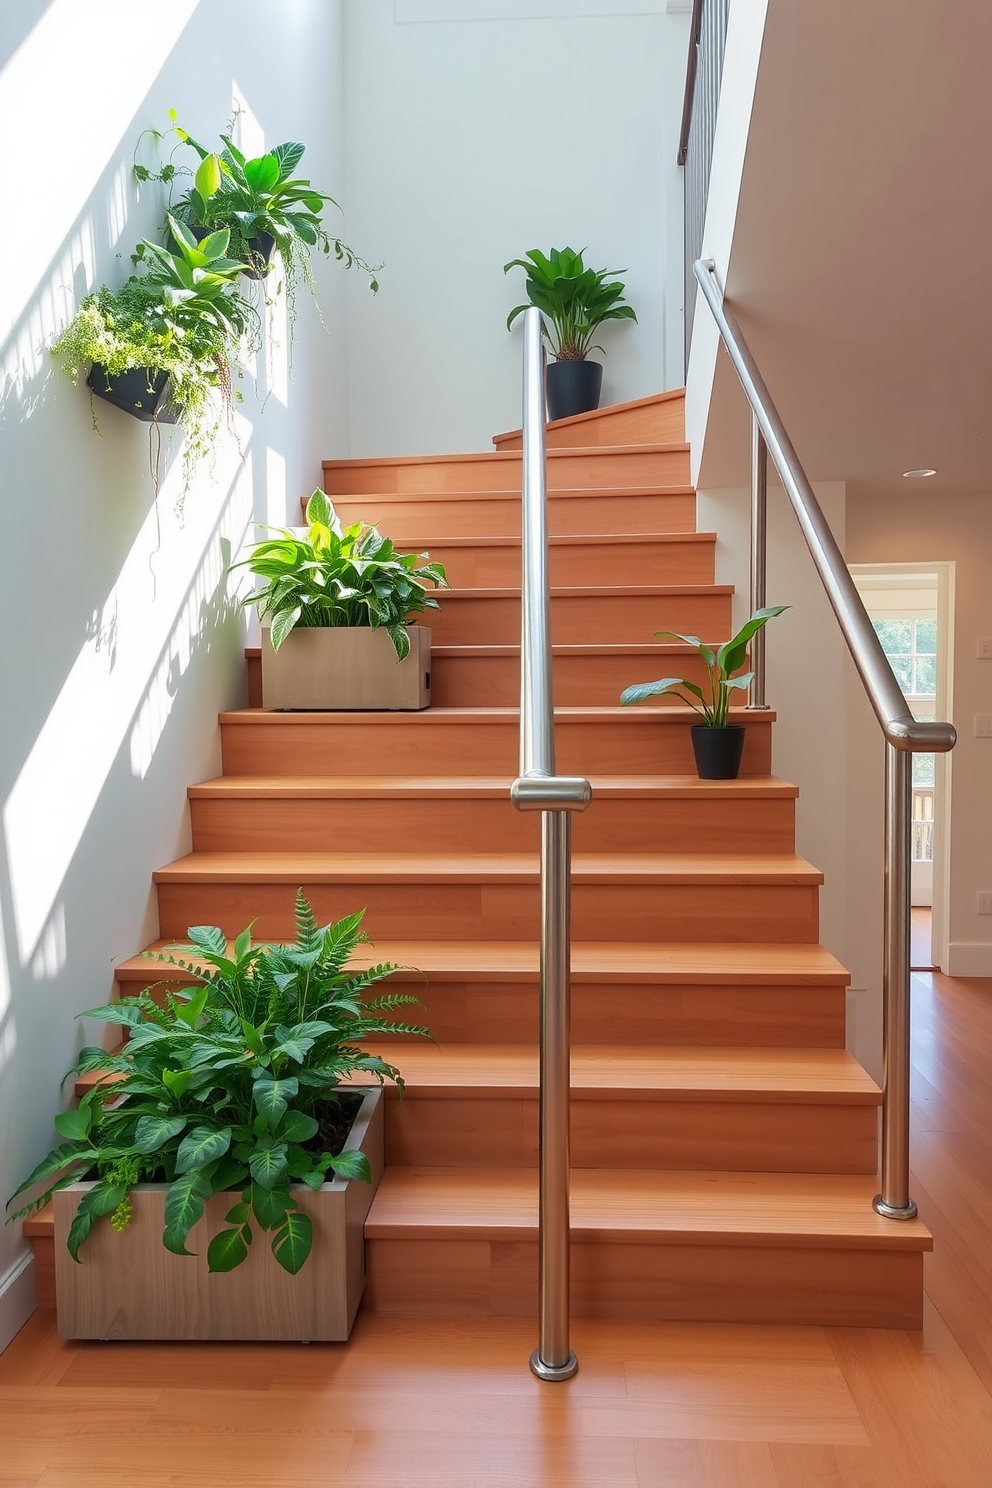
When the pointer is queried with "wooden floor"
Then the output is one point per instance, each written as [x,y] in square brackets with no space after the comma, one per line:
[450,1404]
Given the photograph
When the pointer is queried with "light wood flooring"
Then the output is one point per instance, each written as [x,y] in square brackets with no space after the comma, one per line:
[413,1403]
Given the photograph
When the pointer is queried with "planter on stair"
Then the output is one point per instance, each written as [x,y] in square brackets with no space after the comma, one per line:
[346,669]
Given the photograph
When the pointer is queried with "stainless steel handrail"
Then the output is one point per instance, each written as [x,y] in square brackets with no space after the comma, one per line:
[538,788]
[904,735]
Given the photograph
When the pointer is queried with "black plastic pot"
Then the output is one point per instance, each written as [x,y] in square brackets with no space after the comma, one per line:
[260,249]
[573,387]
[718,751]
[134,392]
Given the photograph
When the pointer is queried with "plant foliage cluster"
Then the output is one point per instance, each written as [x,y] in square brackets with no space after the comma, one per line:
[340,576]
[573,300]
[721,663]
[223,1087]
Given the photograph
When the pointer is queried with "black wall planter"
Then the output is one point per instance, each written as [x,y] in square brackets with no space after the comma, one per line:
[134,393]
[260,249]
[573,387]
[718,751]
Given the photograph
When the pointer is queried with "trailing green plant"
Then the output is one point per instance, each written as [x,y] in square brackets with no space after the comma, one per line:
[225,1088]
[339,576]
[721,663]
[181,316]
[574,301]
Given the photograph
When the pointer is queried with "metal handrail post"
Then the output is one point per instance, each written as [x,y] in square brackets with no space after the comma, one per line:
[759,560]
[894,1201]
[538,788]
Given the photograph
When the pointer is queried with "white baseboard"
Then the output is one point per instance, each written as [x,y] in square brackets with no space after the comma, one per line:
[17,1298]
[969,958]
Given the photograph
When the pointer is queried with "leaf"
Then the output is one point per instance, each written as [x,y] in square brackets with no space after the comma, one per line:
[271,1205]
[58,1159]
[183,1207]
[191,1012]
[263,173]
[292,1243]
[75,1125]
[240,1214]
[642,690]
[208,182]
[227,1250]
[282,624]
[297,1126]
[202,1146]
[352,1165]
[209,937]
[268,1163]
[177,1082]
[272,1098]
[288,155]
[732,653]
[152,1132]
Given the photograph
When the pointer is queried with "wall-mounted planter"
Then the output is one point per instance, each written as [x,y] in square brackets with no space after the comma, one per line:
[130,1286]
[346,670]
[134,392]
[260,248]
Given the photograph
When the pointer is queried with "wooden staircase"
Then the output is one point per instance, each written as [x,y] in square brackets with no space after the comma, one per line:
[724,1143]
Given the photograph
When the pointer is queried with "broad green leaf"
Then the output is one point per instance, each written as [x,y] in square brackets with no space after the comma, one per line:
[226,1250]
[262,174]
[152,1132]
[192,1011]
[177,1082]
[208,182]
[268,1164]
[291,1243]
[297,1126]
[288,155]
[272,1098]
[57,1160]
[209,937]
[183,1207]
[270,1205]
[79,1229]
[75,1125]
[240,1214]
[282,624]
[202,1146]
[352,1165]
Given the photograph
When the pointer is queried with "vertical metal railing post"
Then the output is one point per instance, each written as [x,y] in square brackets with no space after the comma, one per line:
[538,788]
[759,559]
[894,1201]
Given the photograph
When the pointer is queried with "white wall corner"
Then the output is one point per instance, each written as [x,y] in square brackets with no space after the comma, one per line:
[17,1298]
[969,958]
[864,1029]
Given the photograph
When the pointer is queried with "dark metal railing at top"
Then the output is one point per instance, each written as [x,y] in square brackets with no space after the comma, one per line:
[704,71]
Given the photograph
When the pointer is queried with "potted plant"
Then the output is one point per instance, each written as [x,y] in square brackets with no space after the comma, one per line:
[338,604]
[162,345]
[228,1121]
[574,301]
[717,745]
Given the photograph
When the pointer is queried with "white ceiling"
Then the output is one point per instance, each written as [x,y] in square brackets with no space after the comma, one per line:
[861,270]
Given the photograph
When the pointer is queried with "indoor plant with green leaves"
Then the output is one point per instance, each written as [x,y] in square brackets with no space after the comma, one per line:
[718,744]
[227,1122]
[336,607]
[574,302]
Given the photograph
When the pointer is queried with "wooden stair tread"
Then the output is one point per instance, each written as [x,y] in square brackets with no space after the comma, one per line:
[282,867]
[616,1073]
[580,539]
[499,459]
[503,493]
[678,1208]
[623,787]
[439,717]
[605,411]
[800,964]
[590,591]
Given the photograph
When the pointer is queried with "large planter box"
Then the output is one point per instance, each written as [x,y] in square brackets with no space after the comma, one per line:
[345,669]
[130,1286]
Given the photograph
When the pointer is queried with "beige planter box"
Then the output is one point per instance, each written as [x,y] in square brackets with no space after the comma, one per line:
[346,669]
[130,1286]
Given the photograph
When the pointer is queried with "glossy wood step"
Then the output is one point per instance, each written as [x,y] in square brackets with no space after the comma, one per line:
[584,676]
[725,898]
[677,814]
[657,419]
[473,741]
[626,511]
[780,1110]
[739,1247]
[643,558]
[765,996]
[599,468]
[584,616]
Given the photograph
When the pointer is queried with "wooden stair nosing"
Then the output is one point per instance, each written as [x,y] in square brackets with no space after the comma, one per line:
[503,493]
[676,787]
[501,458]
[569,540]
[664,714]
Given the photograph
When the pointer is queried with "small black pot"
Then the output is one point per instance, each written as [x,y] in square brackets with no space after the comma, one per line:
[260,249]
[718,751]
[573,387]
[134,392]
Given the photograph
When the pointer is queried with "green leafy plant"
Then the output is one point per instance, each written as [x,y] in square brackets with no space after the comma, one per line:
[721,663]
[182,316]
[226,1087]
[338,576]
[573,300]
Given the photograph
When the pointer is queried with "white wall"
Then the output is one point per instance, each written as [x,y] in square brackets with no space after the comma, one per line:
[121,644]
[470,142]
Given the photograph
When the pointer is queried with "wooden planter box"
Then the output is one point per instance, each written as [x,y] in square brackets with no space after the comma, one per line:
[130,1286]
[344,669]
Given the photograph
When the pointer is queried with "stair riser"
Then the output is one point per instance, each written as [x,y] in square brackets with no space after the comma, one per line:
[432,745]
[571,515]
[657,423]
[490,825]
[779,1283]
[583,470]
[614,1013]
[456,1131]
[579,681]
[646,562]
[582,620]
[726,913]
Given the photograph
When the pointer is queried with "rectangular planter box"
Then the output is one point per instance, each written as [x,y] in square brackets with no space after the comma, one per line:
[130,1286]
[345,669]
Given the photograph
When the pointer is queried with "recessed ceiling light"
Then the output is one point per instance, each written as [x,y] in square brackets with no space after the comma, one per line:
[917,474]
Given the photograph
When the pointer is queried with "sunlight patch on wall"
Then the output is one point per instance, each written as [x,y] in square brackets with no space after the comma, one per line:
[276,510]
[99,61]
[50,957]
